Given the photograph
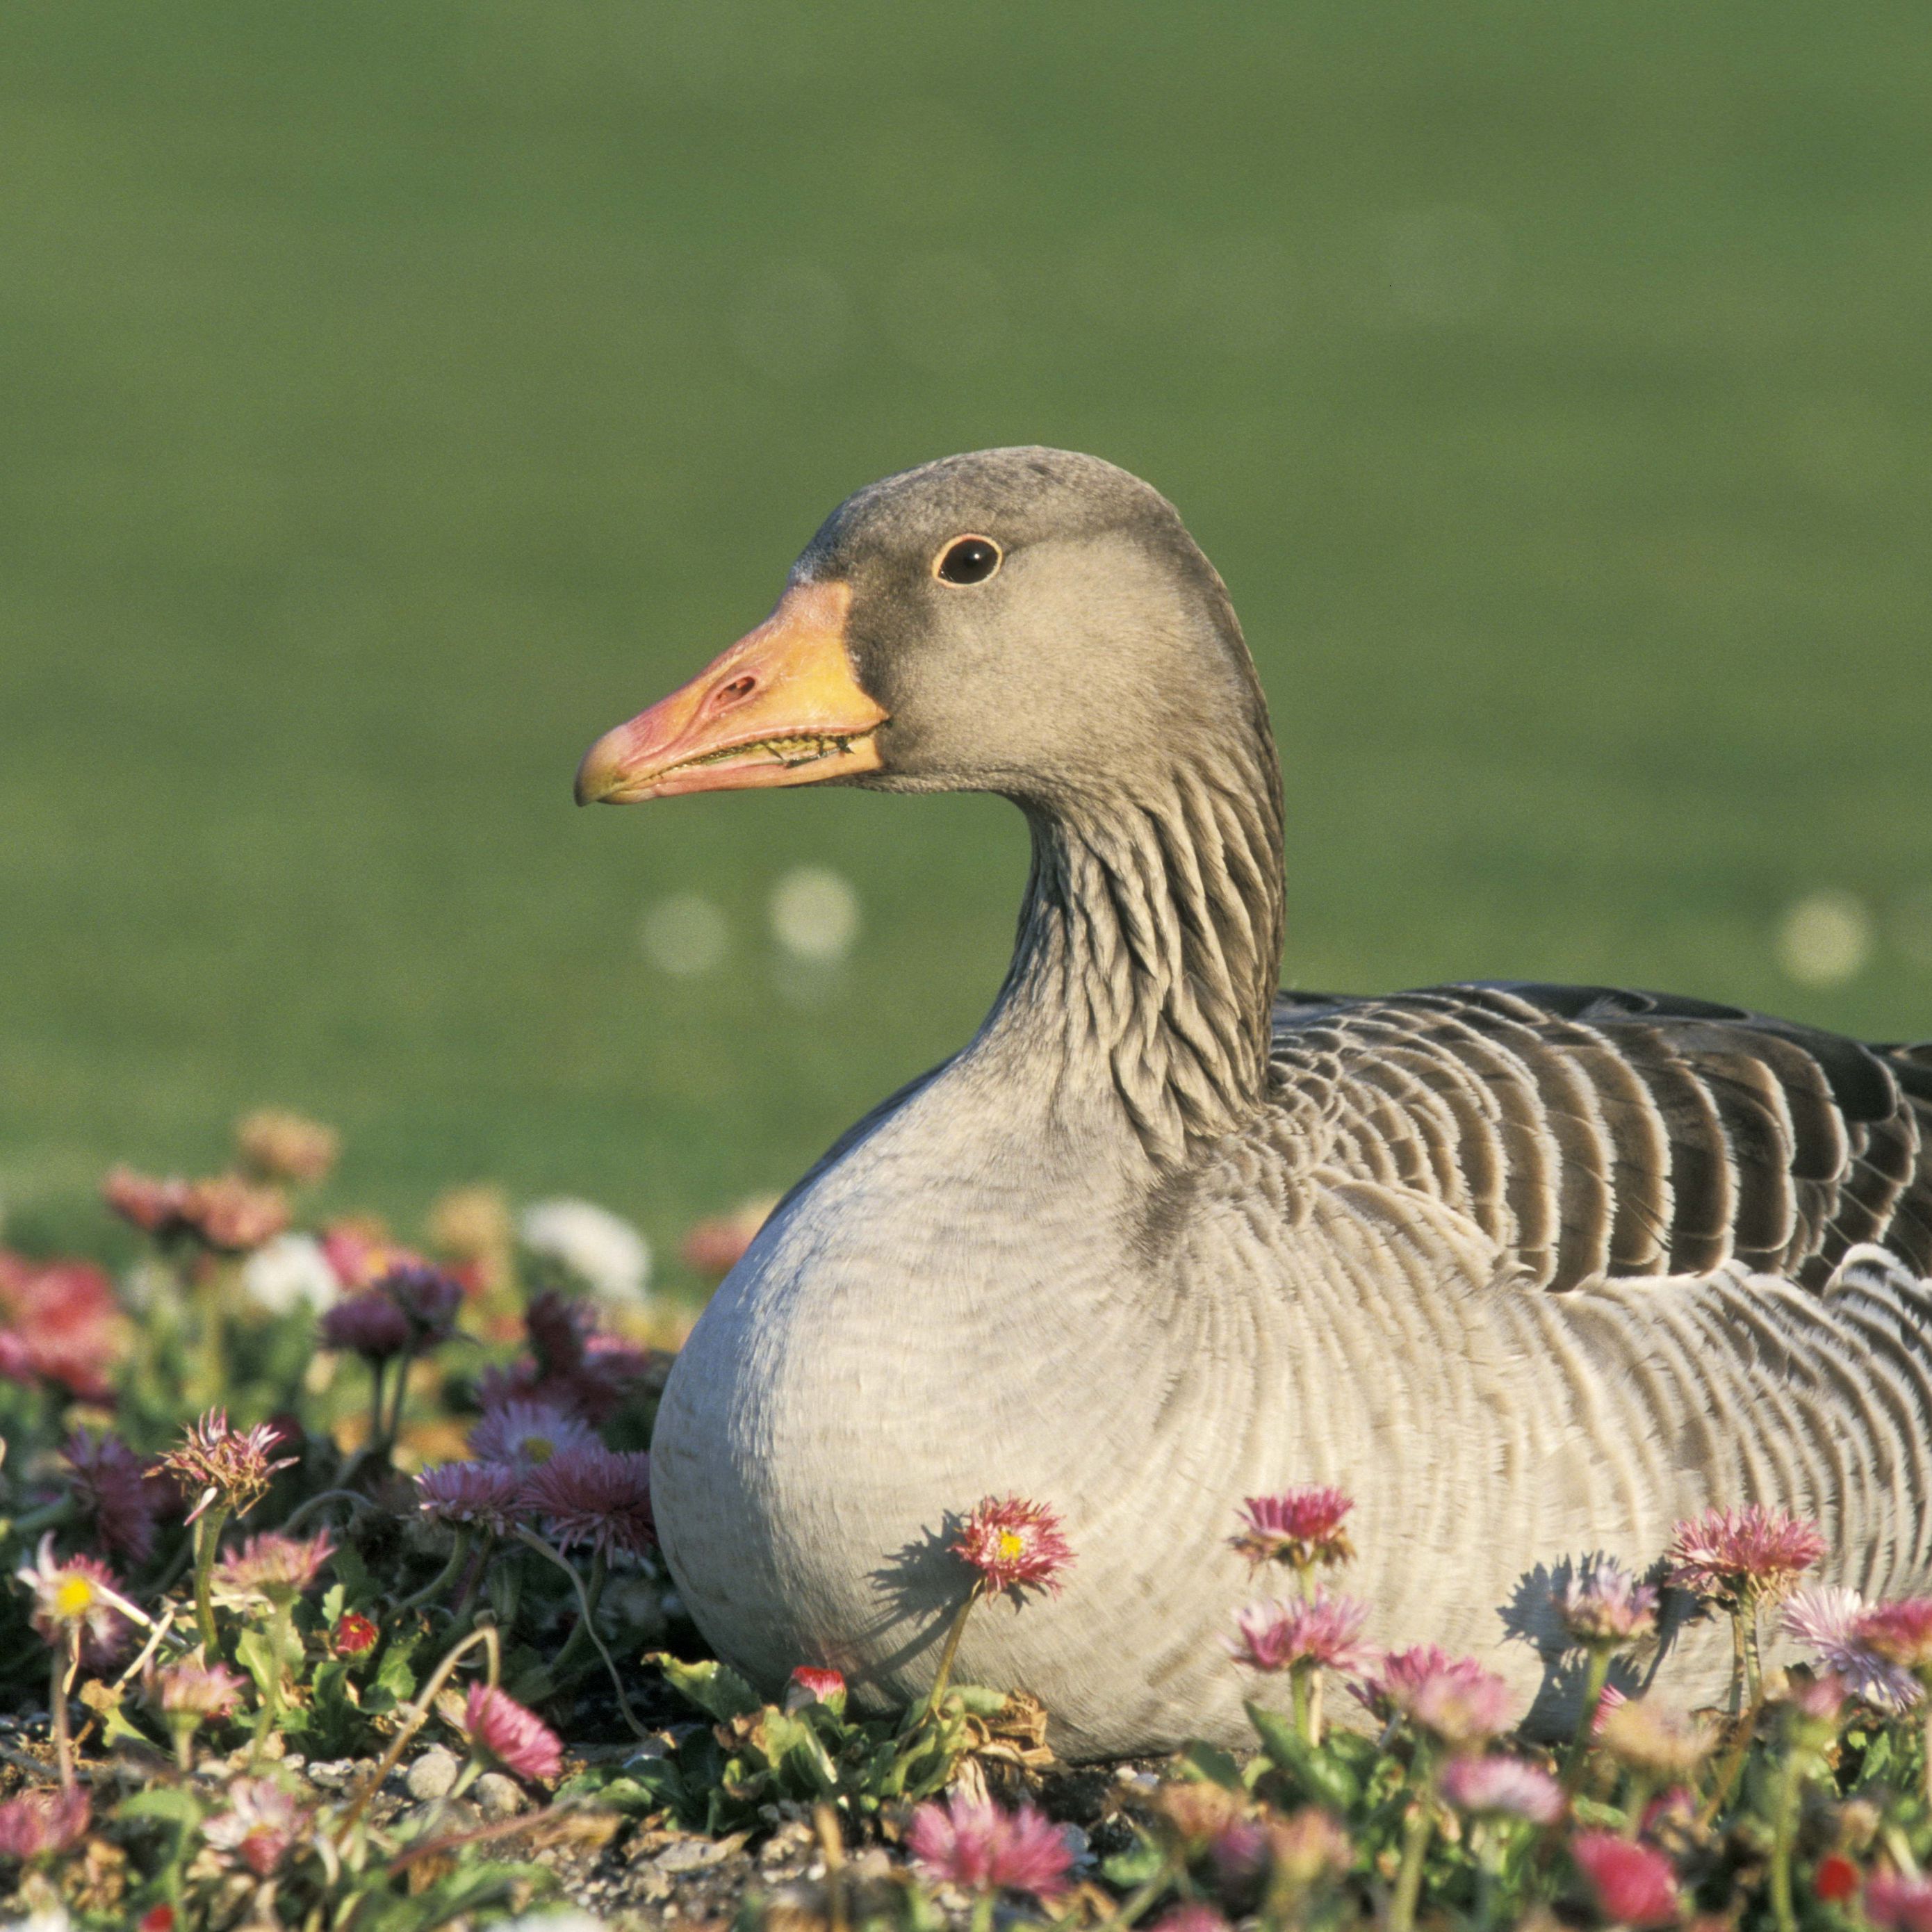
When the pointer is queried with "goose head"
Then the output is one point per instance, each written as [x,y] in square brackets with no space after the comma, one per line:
[1029,622]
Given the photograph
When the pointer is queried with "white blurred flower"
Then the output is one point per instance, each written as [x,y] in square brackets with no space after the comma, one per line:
[814,914]
[1825,939]
[602,1249]
[564,1919]
[289,1271]
[684,934]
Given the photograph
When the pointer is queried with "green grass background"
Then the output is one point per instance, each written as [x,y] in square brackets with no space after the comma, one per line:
[398,394]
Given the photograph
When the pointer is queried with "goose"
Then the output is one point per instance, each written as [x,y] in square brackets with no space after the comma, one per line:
[1531,1271]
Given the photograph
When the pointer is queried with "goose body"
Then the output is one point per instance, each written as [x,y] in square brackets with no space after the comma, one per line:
[1532,1272]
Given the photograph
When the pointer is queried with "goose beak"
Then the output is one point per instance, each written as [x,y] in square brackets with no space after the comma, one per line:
[780,707]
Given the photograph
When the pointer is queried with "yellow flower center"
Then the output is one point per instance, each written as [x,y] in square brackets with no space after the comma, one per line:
[74,1596]
[1012,1546]
[538,1448]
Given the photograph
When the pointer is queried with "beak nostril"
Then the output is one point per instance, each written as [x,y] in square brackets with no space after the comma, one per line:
[736,691]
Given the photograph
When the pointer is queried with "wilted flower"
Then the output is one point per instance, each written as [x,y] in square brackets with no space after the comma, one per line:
[123,1492]
[602,1250]
[519,1740]
[976,1845]
[487,1495]
[1198,1812]
[1503,1787]
[289,1273]
[77,1595]
[528,1433]
[42,1824]
[194,1690]
[277,1145]
[214,1462]
[1633,1884]
[368,1324]
[232,1215]
[1900,1632]
[1897,1904]
[354,1635]
[1453,1698]
[1302,1526]
[1014,1543]
[596,1496]
[429,1299]
[277,1567]
[1742,1557]
[808,1684]
[1825,1618]
[60,1323]
[1322,1629]
[576,1368]
[260,1826]
[1605,1607]
[1642,1732]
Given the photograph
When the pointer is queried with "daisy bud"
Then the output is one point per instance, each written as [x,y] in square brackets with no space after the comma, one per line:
[1632,1884]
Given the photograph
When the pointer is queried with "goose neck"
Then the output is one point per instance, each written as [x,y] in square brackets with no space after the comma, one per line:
[1143,974]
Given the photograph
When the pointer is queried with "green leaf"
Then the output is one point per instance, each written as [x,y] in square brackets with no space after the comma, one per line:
[352,1578]
[395,1680]
[333,1599]
[1214,1765]
[801,1761]
[1316,1775]
[715,1688]
[256,1655]
[162,1804]
[1132,1869]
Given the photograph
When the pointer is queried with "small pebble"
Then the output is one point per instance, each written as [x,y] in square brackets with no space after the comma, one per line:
[334,1775]
[497,1797]
[434,1774]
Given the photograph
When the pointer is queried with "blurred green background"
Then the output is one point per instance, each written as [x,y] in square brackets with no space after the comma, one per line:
[398,394]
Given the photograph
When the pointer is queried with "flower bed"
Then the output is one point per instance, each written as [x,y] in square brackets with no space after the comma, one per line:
[335,1603]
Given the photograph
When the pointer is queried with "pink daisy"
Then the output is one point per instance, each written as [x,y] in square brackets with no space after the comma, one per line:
[1301,1526]
[486,1495]
[978,1846]
[1896,1904]
[278,1568]
[1900,1632]
[1607,1606]
[595,1496]
[1290,1631]
[528,1433]
[1504,1787]
[77,1594]
[214,1461]
[260,1826]
[519,1740]
[42,1824]
[1014,1544]
[1453,1698]
[196,1690]
[1742,1557]
[809,1685]
[1825,1618]
[1633,1884]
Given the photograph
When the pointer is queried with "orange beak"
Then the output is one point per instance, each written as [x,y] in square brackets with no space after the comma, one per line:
[780,707]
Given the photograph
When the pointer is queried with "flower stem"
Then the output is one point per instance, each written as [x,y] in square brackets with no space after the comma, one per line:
[1596,1675]
[207,1540]
[1297,1692]
[929,1705]
[441,1582]
[271,1698]
[1416,1832]
[65,1657]
[1785,1827]
[578,1641]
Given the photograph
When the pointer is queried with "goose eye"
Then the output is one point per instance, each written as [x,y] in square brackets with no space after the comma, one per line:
[968,560]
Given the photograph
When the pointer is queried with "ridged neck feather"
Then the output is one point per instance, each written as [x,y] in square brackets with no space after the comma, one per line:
[1149,947]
